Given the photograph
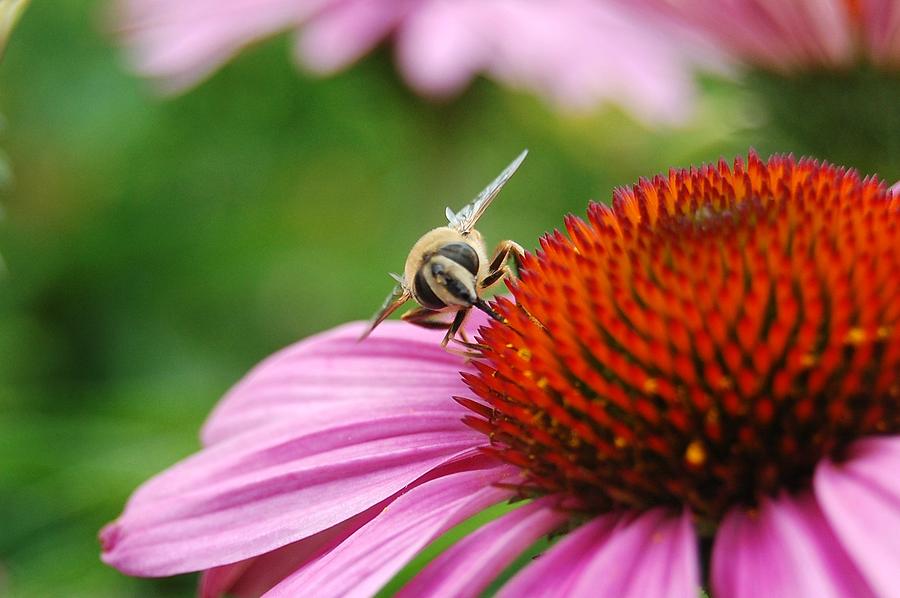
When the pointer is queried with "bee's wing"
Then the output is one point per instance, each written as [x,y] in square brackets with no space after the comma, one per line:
[465,219]
[398,297]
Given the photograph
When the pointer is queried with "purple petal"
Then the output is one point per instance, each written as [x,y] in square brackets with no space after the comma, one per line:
[370,557]
[400,367]
[468,567]
[652,554]
[786,548]
[860,498]
[312,437]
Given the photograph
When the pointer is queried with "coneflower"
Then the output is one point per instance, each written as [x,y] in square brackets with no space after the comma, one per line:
[698,387]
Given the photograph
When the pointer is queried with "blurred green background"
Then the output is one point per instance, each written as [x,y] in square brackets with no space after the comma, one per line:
[155,249]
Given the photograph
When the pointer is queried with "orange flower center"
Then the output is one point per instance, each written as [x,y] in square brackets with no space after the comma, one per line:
[704,341]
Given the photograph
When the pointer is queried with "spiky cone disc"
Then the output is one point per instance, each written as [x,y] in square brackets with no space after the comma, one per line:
[703,342]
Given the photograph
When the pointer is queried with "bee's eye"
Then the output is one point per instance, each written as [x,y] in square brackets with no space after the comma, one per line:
[462,254]
[424,294]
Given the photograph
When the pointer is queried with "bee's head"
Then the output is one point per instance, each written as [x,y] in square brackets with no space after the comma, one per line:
[448,277]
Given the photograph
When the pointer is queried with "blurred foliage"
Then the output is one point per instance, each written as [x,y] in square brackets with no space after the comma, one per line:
[10,12]
[848,117]
[156,249]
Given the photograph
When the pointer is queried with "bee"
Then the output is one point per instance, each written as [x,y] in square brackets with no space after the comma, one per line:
[448,267]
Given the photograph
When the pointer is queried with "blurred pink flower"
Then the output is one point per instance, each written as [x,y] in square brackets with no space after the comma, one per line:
[575,53]
[640,391]
[794,34]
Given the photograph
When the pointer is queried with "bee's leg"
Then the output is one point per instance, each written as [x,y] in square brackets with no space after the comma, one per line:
[498,268]
[429,318]
[426,318]
[455,326]
[472,350]
[467,355]
[469,345]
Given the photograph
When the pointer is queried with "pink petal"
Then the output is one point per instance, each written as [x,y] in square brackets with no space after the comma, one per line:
[312,437]
[565,50]
[468,567]
[860,498]
[182,41]
[786,548]
[817,31]
[400,367]
[218,581]
[881,28]
[257,575]
[652,554]
[553,573]
[229,503]
[369,558]
[582,53]
[576,53]
[741,28]
[438,48]
[827,23]
[345,31]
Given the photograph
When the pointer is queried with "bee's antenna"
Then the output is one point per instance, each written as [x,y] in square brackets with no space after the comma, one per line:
[483,306]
